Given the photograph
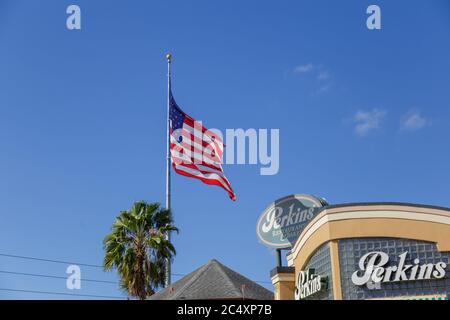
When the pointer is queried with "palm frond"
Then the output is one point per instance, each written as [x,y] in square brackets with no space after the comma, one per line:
[137,248]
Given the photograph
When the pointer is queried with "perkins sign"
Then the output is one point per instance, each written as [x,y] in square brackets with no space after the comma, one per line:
[373,268]
[309,283]
[281,222]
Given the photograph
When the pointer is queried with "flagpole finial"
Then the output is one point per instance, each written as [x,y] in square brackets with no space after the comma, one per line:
[169,57]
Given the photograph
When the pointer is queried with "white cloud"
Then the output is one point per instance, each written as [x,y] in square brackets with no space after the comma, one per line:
[304,68]
[318,73]
[413,121]
[323,75]
[323,89]
[367,121]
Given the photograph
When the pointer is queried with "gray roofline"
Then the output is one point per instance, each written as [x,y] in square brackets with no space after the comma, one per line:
[199,271]
[354,204]
[226,278]
[238,292]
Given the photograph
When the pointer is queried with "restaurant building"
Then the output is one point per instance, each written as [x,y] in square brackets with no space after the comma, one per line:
[358,251]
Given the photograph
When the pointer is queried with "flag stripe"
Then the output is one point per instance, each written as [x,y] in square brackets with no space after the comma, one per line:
[206,139]
[210,178]
[188,139]
[188,156]
[190,122]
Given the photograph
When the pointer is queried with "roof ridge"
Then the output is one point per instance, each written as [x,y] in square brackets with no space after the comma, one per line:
[221,269]
[211,281]
[239,278]
[197,273]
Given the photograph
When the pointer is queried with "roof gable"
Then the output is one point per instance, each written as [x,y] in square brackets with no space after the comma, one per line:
[213,281]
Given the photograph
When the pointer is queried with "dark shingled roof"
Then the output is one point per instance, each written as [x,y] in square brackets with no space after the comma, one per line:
[213,281]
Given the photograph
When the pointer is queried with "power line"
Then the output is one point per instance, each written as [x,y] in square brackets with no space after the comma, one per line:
[60,277]
[52,276]
[64,278]
[49,260]
[86,265]
[63,262]
[61,293]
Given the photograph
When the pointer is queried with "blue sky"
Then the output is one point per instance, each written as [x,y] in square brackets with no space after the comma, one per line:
[363,116]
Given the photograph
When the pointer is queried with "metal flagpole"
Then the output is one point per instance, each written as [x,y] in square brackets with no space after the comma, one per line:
[168,266]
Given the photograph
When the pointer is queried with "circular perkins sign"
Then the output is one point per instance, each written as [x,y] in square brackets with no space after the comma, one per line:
[281,222]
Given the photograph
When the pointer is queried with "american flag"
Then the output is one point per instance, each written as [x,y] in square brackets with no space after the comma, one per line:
[195,151]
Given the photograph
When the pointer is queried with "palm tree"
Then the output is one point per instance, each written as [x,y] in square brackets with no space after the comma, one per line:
[138,248]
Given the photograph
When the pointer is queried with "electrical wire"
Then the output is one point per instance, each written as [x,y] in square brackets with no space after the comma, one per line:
[86,265]
[61,293]
[52,276]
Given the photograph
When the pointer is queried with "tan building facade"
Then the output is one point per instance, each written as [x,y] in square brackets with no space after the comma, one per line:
[369,251]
